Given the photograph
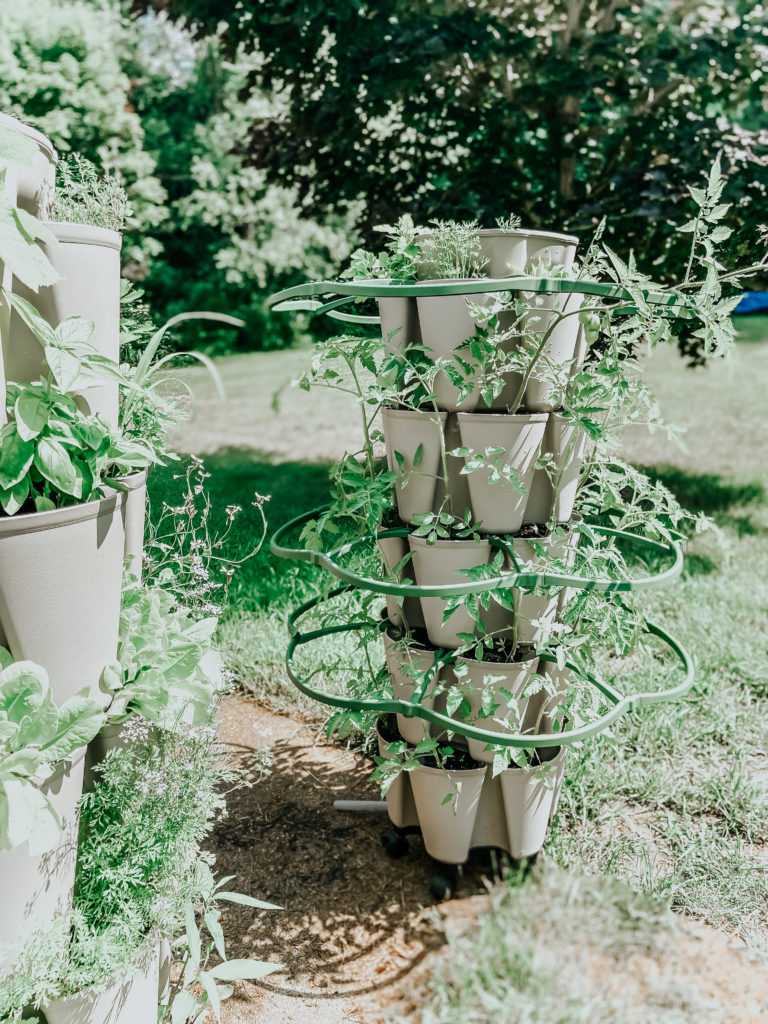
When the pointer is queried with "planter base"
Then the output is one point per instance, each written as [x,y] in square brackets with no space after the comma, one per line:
[513,811]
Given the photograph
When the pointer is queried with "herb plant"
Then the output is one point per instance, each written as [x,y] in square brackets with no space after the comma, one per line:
[167,669]
[451,249]
[141,873]
[35,734]
[84,196]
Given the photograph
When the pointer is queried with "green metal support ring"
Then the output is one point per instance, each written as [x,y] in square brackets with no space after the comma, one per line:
[313,296]
[621,705]
[524,581]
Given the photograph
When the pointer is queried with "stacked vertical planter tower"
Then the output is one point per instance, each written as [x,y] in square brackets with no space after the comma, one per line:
[109,679]
[61,568]
[482,554]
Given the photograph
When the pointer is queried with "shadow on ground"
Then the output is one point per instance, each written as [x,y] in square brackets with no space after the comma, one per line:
[353,921]
[731,505]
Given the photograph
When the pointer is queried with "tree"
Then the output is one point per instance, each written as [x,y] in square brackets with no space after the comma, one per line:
[560,110]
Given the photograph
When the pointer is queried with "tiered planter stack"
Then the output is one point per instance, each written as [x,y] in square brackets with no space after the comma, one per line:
[61,571]
[512,809]
[472,802]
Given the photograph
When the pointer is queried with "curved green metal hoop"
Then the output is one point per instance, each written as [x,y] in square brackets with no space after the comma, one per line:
[523,580]
[621,705]
[309,297]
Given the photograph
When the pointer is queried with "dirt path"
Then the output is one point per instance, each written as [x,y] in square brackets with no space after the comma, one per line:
[359,932]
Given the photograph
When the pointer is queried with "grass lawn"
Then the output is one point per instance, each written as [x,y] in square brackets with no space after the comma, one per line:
[675,798]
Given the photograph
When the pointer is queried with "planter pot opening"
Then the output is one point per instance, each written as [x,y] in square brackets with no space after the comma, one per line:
[87,259]
[553,491]
[415,445]
[484,682]
[447,802]
[446,324]
[404,611]
[412,670]
[60,590]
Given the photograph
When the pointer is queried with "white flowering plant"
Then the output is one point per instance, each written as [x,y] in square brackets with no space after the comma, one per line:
[141,873]
[185,552]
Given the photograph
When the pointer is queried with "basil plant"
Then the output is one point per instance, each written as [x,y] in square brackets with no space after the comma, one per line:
[35,734]
[51,453]
[167,669]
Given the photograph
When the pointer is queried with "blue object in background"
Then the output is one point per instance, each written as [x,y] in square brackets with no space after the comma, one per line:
[753,302]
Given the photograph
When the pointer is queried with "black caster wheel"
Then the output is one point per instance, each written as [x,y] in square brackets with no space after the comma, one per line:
[395,844]
[443,884]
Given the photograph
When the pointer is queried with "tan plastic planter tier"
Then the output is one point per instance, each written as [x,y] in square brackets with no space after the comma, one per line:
[437,565]
[31,187]
[446,828]
[60,590]
[555,316]
[34,889]
[407,610]
[509,252]
[500,507]
[399,324]
[511,812]
[553,498]
[88,261]
[402,657]
[514,678]
[129,1000]
[445,323]
[407,433]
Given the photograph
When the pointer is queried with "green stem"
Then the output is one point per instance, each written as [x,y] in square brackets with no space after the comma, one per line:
[537,355]
[694,240]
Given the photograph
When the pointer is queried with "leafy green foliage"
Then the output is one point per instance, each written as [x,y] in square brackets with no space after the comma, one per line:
[61,69]
[19,231]
[140,872]
[564,113]
[83,196]
[229,237]
[197,972]
[601,396]
[35,734]
[52,454]
[167,669]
